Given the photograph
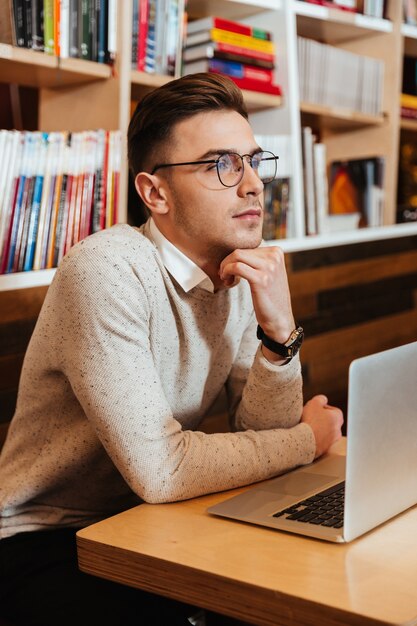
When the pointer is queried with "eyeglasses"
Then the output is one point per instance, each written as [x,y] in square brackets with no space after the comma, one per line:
[230,166]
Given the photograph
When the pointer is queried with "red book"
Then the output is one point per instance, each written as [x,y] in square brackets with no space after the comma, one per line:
[256,85]
[207,23]
[207,50]
[142,33]
[104,198]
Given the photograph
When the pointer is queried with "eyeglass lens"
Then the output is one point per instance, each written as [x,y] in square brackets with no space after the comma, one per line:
[230,167]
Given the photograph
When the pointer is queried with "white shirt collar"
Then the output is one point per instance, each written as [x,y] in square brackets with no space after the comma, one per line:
[183,269]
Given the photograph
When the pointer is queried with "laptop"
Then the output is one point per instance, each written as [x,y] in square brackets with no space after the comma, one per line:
[338,498]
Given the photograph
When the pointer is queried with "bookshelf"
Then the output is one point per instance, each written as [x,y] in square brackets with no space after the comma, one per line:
[65,85]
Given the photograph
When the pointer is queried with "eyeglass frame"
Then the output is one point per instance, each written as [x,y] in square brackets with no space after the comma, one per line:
[216,161]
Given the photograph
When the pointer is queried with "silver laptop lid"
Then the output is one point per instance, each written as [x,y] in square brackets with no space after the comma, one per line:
[381,468]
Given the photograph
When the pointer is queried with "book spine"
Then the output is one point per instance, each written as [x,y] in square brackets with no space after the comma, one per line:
[84,30]
[256,85]
[37,24]
[135,31]
[9,195]
[21,250]
[64,28]
[28,23]
[229,25]
[102,31]
[93,30]
[19,23]
[209,49]
[112,31]
[240,70]
[57,28]
[142,33]
[73,29]
[244,41]
[48,26]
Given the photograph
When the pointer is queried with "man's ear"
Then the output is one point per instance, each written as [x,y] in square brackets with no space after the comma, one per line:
[152,191]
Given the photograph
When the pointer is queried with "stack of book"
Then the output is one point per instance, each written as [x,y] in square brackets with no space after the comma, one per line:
[157,36]
[245,54]
[84,29]
[55,189]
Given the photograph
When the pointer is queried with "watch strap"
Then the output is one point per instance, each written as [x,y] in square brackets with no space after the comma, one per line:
[288,349]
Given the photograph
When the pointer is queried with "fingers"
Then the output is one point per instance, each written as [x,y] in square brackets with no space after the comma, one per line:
[267,259]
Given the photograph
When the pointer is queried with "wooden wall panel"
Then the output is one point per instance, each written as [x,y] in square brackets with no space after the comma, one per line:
[351,300]
[19,311]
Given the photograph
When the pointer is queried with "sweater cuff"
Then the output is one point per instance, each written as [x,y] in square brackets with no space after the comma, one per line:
[269,374]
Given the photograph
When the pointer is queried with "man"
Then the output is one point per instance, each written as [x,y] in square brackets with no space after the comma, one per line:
[140,332]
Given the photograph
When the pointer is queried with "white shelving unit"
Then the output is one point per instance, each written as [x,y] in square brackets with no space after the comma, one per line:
[64,87]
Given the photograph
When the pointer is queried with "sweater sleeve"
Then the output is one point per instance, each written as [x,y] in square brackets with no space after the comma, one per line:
[104,351]
[263,395]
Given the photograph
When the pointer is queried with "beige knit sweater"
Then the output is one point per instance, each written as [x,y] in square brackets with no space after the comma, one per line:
[121,369]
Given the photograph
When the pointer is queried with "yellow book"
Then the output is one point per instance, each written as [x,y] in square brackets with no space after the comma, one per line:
[409,101]
[245,41]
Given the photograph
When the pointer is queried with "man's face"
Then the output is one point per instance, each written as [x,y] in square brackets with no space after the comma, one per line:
[206,220]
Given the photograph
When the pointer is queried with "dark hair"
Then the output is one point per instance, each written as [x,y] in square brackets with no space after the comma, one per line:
[160,110]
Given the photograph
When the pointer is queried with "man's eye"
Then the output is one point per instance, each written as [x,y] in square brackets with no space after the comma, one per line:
[223,166]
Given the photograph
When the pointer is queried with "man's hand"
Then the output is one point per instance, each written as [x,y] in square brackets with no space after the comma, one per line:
[325,421]
[264,269]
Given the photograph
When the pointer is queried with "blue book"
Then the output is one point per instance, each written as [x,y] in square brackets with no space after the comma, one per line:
[34,223]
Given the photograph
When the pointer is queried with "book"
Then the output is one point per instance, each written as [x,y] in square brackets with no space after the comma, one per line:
[255,85]
[230,68]
[112,31]
[308,140]
[231,38]
[321,186]
[208,50]
[73,36]
[357,186]
[210,22]
[36,203]
[9,193]
[102,30]
[84,34]
[48,26]
[276,209]
[227,56]
[16,223]
[135,31]
[64,28]
[142,33]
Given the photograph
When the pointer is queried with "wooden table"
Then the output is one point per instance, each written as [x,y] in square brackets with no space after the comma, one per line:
[256,574]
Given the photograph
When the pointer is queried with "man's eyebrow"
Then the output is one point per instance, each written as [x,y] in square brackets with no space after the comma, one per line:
[219,151]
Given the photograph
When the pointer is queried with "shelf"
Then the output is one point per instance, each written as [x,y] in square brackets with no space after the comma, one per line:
[339,119]
[346,237]
[40,70]
[24,280]
[42,278]
[142,83]
[231,9]
[407,124]
[335,25]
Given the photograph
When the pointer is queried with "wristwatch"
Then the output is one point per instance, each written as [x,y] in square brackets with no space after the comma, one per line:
[288,349]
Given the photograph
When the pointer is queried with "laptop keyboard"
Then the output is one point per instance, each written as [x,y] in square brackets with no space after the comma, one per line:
[323,509]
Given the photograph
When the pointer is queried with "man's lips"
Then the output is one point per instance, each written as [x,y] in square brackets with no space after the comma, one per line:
[249,213]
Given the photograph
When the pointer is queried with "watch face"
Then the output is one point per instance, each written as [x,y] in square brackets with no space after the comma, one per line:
[296,340]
